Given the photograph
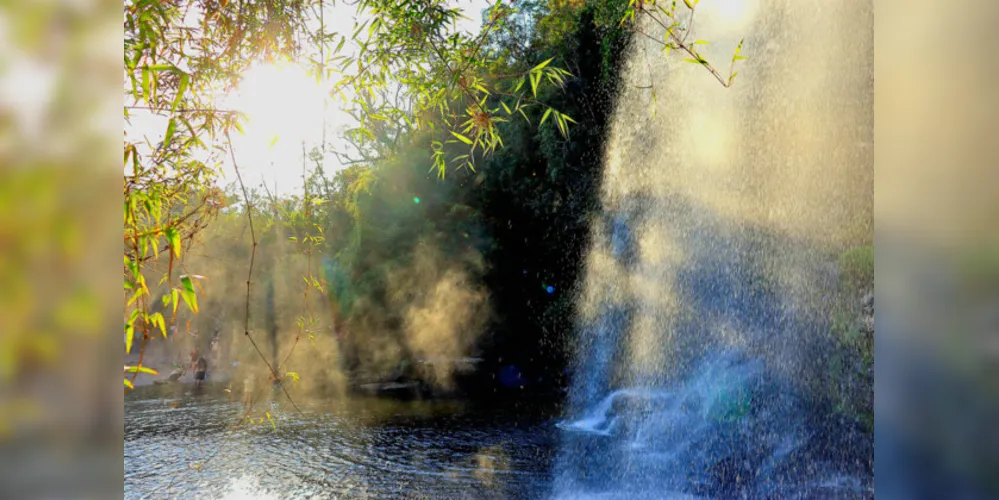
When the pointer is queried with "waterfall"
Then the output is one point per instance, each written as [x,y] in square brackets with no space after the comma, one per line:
[710,276]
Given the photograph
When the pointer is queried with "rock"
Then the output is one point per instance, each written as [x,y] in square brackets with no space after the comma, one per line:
[867,303]
[867,325]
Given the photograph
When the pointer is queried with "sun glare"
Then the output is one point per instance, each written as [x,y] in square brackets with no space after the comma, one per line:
[733,14]
[280,100]
[284,107]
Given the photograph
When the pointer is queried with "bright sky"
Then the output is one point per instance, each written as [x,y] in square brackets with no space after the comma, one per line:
[282,101]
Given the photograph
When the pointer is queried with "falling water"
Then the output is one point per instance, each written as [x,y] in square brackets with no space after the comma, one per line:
[709,279]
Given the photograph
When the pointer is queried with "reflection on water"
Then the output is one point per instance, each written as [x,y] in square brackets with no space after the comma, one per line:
[340,449]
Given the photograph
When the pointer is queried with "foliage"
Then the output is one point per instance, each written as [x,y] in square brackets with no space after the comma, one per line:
[857,267]
[404,72]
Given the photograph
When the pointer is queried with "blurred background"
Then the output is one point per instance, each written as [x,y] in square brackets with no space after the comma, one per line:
[60,412]
[937,238]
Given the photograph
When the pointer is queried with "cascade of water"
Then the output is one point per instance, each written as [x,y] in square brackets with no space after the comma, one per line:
[708,286]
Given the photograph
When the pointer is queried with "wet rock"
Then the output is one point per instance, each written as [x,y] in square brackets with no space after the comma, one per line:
[867,303]
[867,325]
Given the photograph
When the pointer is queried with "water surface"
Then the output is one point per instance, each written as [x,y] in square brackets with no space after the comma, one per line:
[361,448]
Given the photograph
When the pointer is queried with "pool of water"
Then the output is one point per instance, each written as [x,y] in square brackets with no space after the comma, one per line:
[185,443]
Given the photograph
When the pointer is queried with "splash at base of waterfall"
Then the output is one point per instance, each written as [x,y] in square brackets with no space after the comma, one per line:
[728,430]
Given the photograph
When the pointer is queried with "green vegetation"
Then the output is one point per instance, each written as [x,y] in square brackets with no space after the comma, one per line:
[857,267]
[850,365]
[522,106]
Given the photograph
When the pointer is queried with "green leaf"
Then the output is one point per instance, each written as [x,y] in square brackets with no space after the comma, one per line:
[175,299]
[535,78]
[135,296]
[129,335]
[462,138]
[129,384]
[274,141]
[173,237]
[545,116]
[140,369]
[688,4]
[542,65]
[157,320]
[188,293]
[561,125]
[181,88]
[145,84]
[701,42]
[171,128]
[505,108]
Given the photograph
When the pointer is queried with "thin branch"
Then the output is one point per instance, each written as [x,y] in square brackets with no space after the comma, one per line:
[187,110]
[249,277]
[686,48]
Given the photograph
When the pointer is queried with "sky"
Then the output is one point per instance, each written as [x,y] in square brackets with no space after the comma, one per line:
[283,103]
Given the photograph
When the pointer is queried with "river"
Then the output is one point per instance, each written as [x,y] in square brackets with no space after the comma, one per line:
[184,444]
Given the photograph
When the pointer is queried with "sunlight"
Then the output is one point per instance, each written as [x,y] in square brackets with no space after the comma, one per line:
[281,100]
[285,111]
[730,14]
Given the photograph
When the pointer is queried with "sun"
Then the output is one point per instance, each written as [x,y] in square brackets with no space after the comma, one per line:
[734,14]
[285,109]
[281,101]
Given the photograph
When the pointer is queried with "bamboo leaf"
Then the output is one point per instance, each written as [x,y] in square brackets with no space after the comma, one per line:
[521,110]
[173,237]
[188,293]
[171,129]
[140,369]
[129,337]
[181,88]
[545,116]
[519,84]
[462,138]
[129,384]
[145,84]
[157,320]
[542,65]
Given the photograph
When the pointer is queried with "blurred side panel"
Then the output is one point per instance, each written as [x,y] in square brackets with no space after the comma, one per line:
[60,410]
[937,244]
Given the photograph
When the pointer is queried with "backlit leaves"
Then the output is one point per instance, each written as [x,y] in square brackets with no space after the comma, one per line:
[677,29]
[187,292]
